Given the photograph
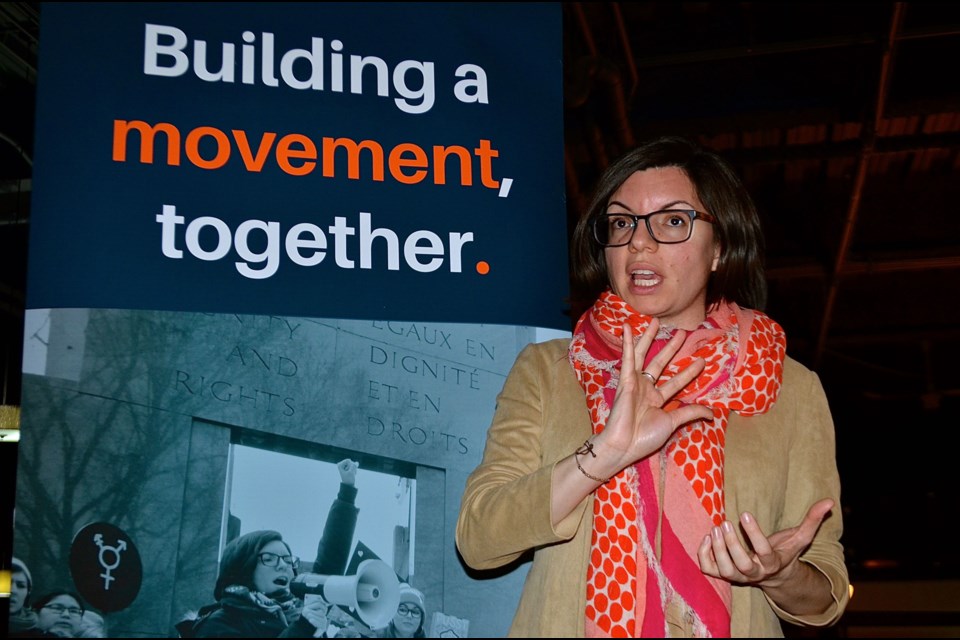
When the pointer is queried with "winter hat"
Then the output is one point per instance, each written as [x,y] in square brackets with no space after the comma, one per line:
[18,565]
[411,596]
[240,558]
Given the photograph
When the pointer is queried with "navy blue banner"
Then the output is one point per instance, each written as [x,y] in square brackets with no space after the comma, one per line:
[299,159]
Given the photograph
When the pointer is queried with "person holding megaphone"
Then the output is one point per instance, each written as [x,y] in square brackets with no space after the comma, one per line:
[253,590]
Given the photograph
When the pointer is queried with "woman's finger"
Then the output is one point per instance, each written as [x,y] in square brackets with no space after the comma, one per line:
[756,536]
[741,558]
[662,359]
[634,351]
[641,348]
[682,378]
[708,564]
[721,554]
[689,413]
[628,353]
[642,345]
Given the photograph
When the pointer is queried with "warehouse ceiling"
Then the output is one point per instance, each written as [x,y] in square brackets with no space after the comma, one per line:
[843,119]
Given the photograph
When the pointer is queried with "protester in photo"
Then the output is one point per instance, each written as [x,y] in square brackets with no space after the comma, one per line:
[410,617]
[672,469]
[22,618]
[60,614]
[252,592]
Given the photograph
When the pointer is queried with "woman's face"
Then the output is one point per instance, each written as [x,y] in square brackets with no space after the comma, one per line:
[668,281]
[408,619]
[275,579]
[60,616]
[19,590]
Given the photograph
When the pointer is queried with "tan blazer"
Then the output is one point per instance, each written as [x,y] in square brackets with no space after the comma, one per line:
[777,465]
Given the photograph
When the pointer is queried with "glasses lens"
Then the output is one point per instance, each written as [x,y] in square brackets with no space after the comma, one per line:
[268,559]
[670,226]
[59,608]
[612,229]
[408,611]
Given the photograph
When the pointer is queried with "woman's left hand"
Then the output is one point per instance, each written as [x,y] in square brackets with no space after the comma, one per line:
[774,559]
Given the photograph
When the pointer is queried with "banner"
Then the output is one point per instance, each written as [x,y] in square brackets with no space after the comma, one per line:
[319,159]
[266,239]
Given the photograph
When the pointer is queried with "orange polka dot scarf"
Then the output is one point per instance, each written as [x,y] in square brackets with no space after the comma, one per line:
[650,518]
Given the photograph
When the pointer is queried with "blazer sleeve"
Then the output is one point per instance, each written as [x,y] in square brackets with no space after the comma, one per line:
[505,508]
[812,475]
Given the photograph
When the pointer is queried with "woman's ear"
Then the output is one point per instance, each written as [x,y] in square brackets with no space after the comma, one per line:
[717,251]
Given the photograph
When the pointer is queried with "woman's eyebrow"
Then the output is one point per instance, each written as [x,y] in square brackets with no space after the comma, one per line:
[664,207]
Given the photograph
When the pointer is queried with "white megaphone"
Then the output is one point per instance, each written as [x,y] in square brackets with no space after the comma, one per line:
[373,592]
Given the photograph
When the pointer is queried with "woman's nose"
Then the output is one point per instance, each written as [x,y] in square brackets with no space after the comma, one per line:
[642,239]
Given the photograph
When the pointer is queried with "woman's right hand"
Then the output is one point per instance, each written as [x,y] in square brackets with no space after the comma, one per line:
[348,471]
[315,610]
[638,425]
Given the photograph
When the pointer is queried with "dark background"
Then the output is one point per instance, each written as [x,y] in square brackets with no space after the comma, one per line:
[843,119]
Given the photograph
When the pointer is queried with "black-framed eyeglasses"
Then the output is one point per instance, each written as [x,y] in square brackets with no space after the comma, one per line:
[272,560]
[411,612]
[60,608]
[669,226]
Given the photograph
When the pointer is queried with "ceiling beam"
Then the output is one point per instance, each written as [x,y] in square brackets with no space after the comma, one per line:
[864,267]
[869,142]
